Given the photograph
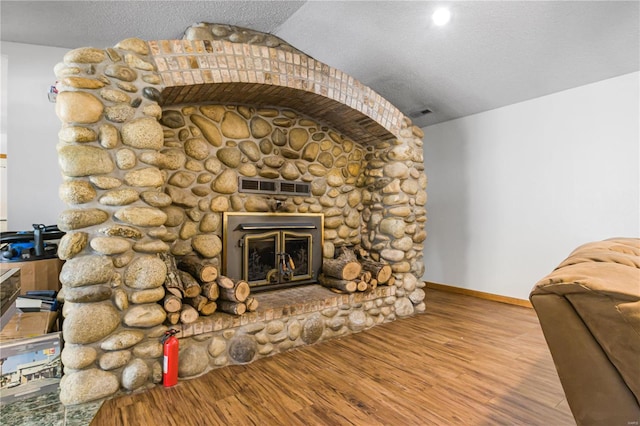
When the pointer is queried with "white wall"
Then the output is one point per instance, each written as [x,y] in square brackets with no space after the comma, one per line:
[514,190]
[33,174]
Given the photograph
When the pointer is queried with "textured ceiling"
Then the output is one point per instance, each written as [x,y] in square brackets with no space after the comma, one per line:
[491,54]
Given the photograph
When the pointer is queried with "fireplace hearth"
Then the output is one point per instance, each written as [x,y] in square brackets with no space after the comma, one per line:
[272,250]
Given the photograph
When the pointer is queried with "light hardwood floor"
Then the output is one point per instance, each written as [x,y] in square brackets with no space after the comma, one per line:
[465,361]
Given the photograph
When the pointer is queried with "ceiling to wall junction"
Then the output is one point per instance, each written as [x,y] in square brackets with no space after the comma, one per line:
[490,55]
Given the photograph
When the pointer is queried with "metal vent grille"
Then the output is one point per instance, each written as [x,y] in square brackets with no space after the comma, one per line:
[266,186]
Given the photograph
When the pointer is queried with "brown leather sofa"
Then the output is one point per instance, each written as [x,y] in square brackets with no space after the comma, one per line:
[589,310]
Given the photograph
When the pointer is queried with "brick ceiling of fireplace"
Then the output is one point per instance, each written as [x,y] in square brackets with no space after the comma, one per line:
[350,121]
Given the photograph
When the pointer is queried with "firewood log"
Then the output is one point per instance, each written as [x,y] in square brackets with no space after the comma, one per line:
[379,271]
[210,290]
[209,308]
[362,285]
[238,293]
[224,282]
[391,281]
[197,302]
[335,283]
[171,303]
[172,281]
[199,269]
[190,285]
[188,314]
[252,304]
[232,307]
[173,318]
[344,267]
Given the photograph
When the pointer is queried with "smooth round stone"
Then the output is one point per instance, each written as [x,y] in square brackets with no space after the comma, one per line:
[143,133]
[135,374]
[196,148]
[247,169]
[269,173]
[403,307]
[121,72]
[401,267]
[119,197]
[71,244]
[77,134]
[421,198]
[231,157]
[109,136]
[172,119]
[113,95]
[147,296]
[234,126]
[328,250]
[256,204]
[181,197]
[266,147]
[138,63]
[210,222]
[126,159]
[260,127]
[417,296]
[214,112]
[310,152]
[69,220]
[274,161]
[312,329]
[145,272]
[175,216]
[146,315]
[242,349]
[396,170]
[278,137]
[404,244]
[171,160]
[209,129]
[335,178]
[226,182]
[298,138]
[119,113]
[122,340]
[193,360]
[84,55]
[357,320]
[392,255]
[121,231]
[250,149]
[153,246]
[420,236]
[78,357]
[208,245]
[113,360]
[90,322]
[289,171]
[317,170]
[76,192]
[147,177]
[87,385]
[87,294]
[110,245]
[141,216]
[213,165]
[78,160]
[217,346]
[86,270]
[135,45]
[148,349]
[182,179]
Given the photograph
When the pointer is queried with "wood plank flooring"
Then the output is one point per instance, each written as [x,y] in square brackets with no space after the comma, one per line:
[465,361]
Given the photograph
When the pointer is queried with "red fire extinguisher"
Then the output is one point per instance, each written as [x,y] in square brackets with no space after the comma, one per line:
[170,365]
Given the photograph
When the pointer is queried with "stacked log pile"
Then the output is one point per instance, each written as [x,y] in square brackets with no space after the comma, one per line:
[351,272]
[194,288]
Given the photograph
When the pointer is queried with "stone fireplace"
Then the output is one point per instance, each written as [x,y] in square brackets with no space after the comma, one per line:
[232,146]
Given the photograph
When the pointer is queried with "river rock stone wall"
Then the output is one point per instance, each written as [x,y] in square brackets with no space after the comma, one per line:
[141,178]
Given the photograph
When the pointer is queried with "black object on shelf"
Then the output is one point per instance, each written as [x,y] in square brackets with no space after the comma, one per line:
[30,245]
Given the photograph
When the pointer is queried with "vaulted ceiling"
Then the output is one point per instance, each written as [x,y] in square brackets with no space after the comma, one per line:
[490,55]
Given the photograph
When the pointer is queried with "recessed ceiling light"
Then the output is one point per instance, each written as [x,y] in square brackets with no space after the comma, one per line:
[441,16]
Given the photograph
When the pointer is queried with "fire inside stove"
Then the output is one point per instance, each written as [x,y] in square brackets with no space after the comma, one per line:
[272,250]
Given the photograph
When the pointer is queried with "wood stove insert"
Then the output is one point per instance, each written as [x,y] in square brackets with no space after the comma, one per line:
[272,250]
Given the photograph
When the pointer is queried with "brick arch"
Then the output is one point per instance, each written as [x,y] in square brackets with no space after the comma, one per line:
[195,71]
